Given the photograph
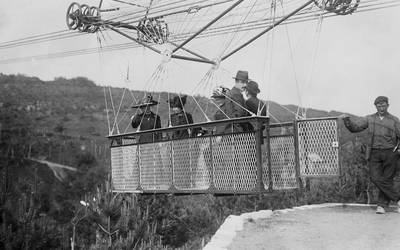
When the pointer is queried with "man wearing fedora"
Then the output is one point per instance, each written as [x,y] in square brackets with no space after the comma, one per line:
[382,149]
[234,101]
[146,120]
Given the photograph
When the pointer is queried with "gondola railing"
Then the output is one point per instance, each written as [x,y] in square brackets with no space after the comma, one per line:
[253,157]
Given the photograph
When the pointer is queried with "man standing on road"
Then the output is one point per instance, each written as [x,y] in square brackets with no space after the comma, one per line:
[382,149]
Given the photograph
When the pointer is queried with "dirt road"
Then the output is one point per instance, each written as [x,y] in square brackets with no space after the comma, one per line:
[342,227]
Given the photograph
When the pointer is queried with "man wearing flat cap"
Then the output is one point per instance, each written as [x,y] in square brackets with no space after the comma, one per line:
[382,149]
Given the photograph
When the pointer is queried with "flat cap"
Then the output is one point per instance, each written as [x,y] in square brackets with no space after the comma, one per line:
[380,99]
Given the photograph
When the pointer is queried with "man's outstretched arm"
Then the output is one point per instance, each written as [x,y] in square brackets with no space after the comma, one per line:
[355,124]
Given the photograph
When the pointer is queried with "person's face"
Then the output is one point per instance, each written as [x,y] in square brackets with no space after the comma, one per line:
[145,109]
[246,94]
[240,83]
[382,108]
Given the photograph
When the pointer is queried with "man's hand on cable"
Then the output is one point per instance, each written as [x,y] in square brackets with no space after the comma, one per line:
[344,116]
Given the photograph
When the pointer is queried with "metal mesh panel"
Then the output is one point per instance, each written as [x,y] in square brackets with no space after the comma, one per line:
[235,162]
[155,166]
[191,161]
[282,163]
[318,147]
[125,169]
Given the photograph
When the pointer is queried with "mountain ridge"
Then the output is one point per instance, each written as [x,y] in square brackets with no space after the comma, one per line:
[81,94]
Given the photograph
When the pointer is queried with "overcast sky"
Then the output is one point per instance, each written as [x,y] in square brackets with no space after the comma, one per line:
[358,58]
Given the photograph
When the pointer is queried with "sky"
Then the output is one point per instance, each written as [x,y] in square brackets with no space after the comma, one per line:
[357,57]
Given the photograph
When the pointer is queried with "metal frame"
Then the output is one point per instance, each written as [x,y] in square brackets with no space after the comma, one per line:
[259,136]
[257,122]
[266,30]
[296,155]
[209,24]
[308,177]
[292,134]
[198,58]
[196,125]
[268,152]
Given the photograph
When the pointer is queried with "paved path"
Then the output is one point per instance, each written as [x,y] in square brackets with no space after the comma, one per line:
[341,227]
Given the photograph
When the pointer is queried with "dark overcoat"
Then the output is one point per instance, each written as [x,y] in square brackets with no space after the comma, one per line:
[181,118]
[147,121]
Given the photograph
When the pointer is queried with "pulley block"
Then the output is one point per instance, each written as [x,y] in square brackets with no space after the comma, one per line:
[340,7]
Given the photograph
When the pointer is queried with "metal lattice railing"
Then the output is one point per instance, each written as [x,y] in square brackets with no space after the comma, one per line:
[283,162]
[191,161]
[318,147]
[235,164]
[125,168]
[155,166]
[228,163]
[188,164]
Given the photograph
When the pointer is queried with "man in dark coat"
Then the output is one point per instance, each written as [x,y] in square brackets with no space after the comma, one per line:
[185,152]
[252,103]
[149,154]
[234,106]
[179,117]
[234,99]
[383,155]
[218,97]
[147,120]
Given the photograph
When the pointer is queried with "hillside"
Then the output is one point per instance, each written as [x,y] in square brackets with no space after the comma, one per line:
[66,117]
[65,121]
[77,106]
[72,109]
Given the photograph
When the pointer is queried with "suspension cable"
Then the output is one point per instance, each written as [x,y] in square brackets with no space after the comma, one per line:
[271,43]
[108,119]
[314,56]
[119,108]
[207,34]
[205,78]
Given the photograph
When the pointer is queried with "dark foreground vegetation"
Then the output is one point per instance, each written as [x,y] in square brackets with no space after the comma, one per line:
[47,207]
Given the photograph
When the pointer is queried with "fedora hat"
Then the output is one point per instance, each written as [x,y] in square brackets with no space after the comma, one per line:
[177,101]
[146,101]
[252,87]
[242,75]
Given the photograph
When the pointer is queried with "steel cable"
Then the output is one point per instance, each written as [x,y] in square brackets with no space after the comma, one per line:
[212,32]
